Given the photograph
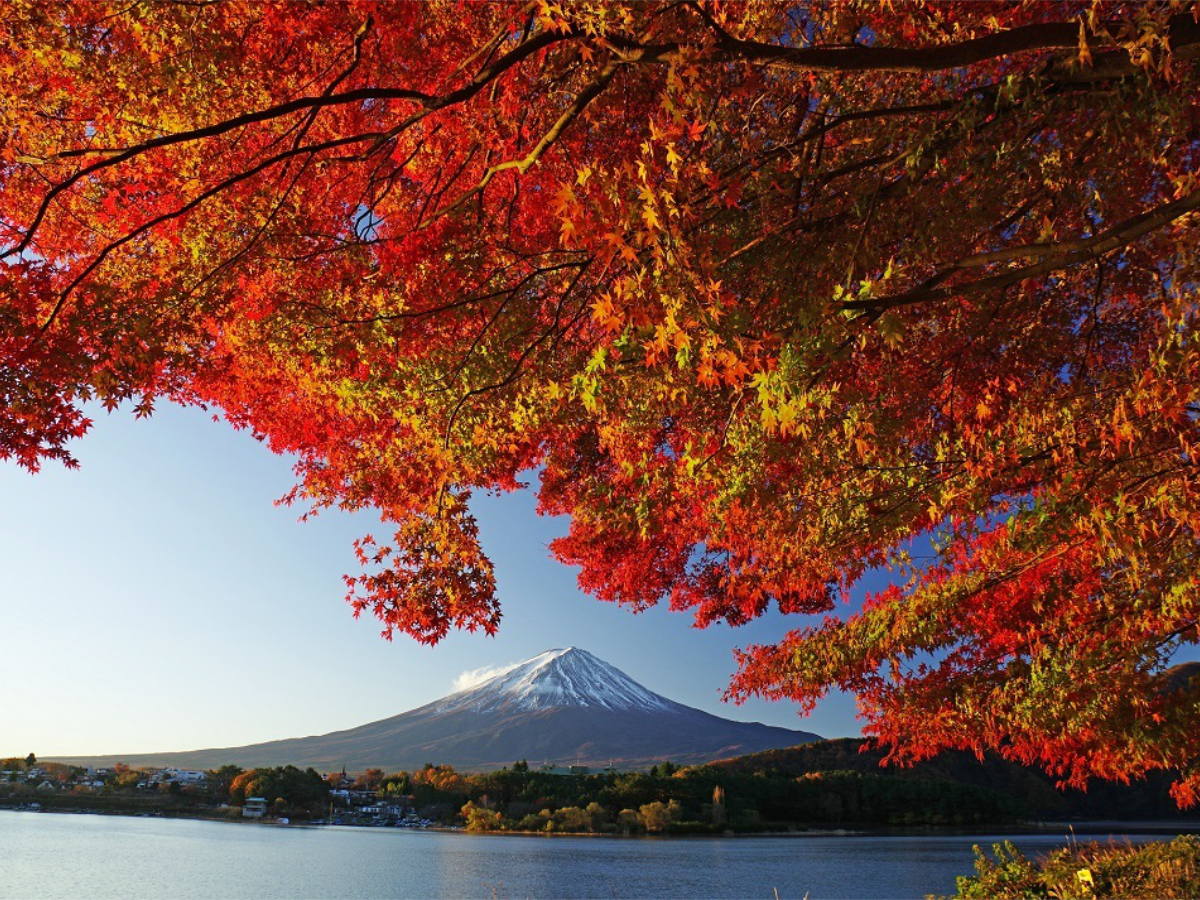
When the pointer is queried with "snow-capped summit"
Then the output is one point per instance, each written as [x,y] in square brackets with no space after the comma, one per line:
[557,678]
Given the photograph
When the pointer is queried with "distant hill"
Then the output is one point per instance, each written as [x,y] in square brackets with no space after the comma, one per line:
[563,706]
[1031,788]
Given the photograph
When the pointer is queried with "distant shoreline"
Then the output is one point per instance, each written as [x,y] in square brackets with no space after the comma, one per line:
[1087,828]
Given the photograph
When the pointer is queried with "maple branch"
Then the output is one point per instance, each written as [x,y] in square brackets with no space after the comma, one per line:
[517,366]
[509,294]
[581,102]
[429,103]
[327,98]
[481,80]
[1054,257]
[862,231]
[195,134]
[258,233]
[185,208]
[427,312]
[359,37]
[488,47]
[1184,38]
[981,97]
[303,131]
[1098,624]
[825,126]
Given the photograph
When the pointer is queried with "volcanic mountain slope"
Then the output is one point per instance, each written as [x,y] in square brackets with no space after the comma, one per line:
[563,706]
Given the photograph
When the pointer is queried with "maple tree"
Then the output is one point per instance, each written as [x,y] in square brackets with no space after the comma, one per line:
[767,296]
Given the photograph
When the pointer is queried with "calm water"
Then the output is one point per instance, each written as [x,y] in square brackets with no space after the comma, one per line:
[88,856]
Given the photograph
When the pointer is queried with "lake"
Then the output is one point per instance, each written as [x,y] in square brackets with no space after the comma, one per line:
[56,855]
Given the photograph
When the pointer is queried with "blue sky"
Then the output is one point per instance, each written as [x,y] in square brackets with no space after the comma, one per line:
[156,599]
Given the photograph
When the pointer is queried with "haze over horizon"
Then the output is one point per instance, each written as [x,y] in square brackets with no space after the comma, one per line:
[156,600]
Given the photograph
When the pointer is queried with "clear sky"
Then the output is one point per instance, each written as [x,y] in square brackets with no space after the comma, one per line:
[156,599]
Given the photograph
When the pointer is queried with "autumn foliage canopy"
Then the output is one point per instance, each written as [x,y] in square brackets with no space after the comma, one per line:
[763,296]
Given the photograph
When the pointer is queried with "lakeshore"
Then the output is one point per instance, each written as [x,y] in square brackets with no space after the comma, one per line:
[1065,829]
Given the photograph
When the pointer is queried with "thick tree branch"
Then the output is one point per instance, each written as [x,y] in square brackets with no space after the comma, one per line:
[1184,36]
[1054,257]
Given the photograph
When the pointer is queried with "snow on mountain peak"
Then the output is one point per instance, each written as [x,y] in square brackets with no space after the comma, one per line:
[562,677]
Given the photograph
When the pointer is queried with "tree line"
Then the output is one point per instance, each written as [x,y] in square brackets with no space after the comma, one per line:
[825,784]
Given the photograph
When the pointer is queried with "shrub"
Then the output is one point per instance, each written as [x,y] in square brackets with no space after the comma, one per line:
[479,818]
[1161,870]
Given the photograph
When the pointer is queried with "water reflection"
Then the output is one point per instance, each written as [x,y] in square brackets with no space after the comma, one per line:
[47,855]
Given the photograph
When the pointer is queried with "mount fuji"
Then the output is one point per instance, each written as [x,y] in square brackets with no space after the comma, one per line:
[562,706]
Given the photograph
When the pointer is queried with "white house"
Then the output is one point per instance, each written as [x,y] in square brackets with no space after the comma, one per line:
[181,776]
